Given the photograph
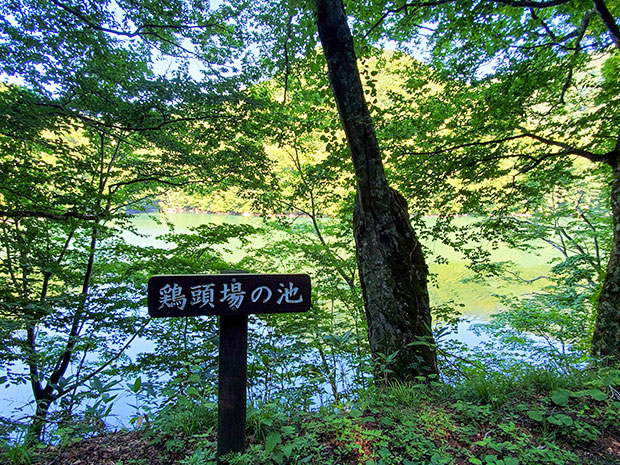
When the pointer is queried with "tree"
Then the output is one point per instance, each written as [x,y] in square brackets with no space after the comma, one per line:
[90,131]
[64,193]
[391,265]
[527,87]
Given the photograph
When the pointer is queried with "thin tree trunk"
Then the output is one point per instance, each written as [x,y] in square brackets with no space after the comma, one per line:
[393,272]
[35,429]
[45,397]
[606,337]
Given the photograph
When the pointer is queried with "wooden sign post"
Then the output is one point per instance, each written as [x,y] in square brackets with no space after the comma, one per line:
[233,297]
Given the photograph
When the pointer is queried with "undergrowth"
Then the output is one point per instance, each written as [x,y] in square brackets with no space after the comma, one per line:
[537,417]
[531,416]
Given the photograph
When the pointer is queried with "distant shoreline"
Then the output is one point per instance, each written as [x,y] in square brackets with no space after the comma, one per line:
[197,211]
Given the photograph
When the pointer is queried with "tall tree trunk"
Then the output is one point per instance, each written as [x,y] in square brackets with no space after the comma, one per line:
[393,272]
[606,337]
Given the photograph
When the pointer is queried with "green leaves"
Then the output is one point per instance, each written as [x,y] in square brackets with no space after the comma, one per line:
[271,441]
[560,419]
[595,394]
[560,397]
[135,387]
[535,415]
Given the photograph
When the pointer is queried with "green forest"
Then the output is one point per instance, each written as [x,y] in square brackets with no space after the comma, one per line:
[365,144]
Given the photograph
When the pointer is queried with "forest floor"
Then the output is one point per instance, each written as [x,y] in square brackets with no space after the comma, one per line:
[139,447]
[403,425]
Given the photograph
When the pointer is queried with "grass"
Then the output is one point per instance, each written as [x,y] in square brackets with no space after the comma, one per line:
[532,417]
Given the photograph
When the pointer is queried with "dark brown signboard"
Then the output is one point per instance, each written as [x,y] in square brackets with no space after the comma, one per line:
[227,294]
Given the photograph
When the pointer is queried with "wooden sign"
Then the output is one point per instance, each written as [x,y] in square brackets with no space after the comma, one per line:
[227,294]
[233,296]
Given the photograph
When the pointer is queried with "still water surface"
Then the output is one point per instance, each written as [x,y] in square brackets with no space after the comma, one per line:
[450,283]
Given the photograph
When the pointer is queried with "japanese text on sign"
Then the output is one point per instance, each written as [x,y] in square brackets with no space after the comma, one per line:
[173,296]
[178,295]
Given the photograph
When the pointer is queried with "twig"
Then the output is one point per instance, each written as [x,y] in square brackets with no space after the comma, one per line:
[107,364]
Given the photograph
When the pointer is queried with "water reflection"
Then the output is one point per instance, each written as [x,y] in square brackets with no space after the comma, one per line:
[451,284]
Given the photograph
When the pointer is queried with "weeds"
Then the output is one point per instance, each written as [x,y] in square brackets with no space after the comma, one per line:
[532,417]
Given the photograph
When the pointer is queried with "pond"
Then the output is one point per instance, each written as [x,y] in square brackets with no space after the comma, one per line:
[451,284]
[451,281]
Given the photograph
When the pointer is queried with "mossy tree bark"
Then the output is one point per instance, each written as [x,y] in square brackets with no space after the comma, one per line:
[606,338]
[392,268]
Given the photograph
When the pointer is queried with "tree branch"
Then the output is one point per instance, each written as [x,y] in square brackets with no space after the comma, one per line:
[512,3]
[469,144]
[17,214]
[286,52]
[8,257]
[405,7]
[156,127]
[580,32]
[608,21]
[32,360]
[567,148]
[544,24]
[335,257]
[106,364]
[115,186]
[539,160]
[532,4]
[63,362]
[139,31]
[594,236]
